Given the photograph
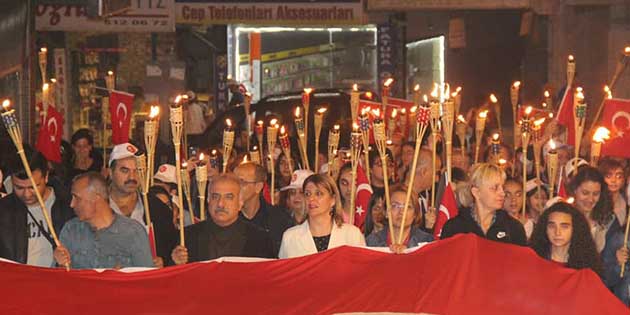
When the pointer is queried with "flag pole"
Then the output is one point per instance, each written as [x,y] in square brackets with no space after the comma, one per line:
[380,139]
[621,66]
[355,155]
[141,164]
[176,129]
[525,137]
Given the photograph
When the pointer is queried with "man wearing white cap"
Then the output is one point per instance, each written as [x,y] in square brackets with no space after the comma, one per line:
[292,197]
[165,177]
[125,200]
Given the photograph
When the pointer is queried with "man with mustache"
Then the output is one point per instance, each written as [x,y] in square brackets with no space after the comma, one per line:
[225,234]
[125,200]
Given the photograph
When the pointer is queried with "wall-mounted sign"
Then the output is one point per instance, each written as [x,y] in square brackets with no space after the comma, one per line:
[288,13]
[144,16]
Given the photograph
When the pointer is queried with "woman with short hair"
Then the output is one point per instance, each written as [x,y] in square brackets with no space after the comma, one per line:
[486,218]
[324,228]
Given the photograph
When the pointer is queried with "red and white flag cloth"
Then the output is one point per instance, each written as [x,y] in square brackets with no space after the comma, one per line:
[616,117]
[452,276]
[448,210]
[565,115]
[152,241]
[121,110]
[49,136]
[362,200]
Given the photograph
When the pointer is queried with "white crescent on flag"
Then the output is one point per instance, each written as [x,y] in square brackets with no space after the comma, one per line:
[618,131]
[124,109]
[53,134]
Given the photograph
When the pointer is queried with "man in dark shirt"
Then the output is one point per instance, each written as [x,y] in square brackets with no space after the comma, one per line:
[255,209]
[225,234]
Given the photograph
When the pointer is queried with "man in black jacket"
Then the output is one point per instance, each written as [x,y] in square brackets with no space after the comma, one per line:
[225,234]
[24,234]
[255,209]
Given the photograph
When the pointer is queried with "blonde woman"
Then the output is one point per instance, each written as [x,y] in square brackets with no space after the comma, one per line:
[324,228]
[486,218]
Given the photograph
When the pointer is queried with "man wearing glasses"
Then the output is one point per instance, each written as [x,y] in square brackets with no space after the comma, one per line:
[225,234]
[255,209]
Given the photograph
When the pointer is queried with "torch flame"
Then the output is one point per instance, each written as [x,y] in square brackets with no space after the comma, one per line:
[539,122]
[255,148]
[260,123]
[552,144]
[626,51]
[413,109]
[110,72]
[6,104]
[322,110]
[282,130]
[483,114]
[43,49]
[273,122]
[461,119]
[580,94]
[155,111]
[495,137]
[493,98]
[244,158]
[394,113]
[45,87]
[308,90]
[403,111]
[550,115]
[425,98]
[388,82]
[53,80]
[571,58]
[502,161]
[608,92]
[458,89]
[601,134]
[297,112]
[416,88]
[365,110]
[355,126]
[336,127]
[201,157]
[185,164]
[434,92]
[528,110]
[516,84]
[570,200]
[214,152]
[355,87]
[376,112]
[368,94]
[547,94]
[178,99]
[228,122]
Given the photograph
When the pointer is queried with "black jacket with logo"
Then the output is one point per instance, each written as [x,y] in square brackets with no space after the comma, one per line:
[504,229]
[14,220]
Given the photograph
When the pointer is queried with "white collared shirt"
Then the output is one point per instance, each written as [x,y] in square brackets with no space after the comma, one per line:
[137,213]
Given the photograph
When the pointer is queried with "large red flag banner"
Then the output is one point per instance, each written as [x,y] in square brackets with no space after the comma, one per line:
[49,136]
[565,115]
[121,109]
[616,117]
[464,274]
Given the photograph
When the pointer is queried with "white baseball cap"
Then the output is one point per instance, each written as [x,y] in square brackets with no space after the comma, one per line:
[122,151]
[532,184]
[297,179]
[166,174]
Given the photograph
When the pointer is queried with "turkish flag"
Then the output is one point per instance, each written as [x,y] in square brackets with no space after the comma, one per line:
[120,108]
[565,115]
[49,136]
[362,200]
[616,117]
[448,210]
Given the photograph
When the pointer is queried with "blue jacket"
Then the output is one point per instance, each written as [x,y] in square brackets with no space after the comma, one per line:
[614,241]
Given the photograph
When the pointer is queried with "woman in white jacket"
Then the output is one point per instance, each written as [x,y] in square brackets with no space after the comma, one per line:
[324,228]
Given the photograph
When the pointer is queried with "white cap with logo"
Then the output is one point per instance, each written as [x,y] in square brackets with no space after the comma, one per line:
[297,179]
[122,151]
[166,174]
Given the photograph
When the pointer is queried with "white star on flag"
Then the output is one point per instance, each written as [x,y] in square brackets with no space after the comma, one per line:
[360,210]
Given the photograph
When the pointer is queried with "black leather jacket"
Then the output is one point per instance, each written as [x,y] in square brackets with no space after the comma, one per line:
[13,223]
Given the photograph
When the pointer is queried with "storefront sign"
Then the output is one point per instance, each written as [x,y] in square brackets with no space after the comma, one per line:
[61,87]
[387,38]
[288,13]
[374,5]
[144,16]
[220,82]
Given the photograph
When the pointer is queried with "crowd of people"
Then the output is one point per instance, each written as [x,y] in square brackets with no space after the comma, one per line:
[98,212]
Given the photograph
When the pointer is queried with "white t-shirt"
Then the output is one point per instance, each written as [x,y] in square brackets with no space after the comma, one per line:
[40,251]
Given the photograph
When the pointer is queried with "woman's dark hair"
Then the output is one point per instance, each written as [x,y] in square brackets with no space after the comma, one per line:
[608,164]
[602,211]
[82,133]
[582,250]
[280,181]
[346,167]
[369,220]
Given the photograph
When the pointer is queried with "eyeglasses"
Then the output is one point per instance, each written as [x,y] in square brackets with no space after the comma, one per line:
[400,206]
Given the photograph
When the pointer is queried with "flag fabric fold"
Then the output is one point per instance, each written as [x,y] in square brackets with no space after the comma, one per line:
[50,135]
[464,274]
[565,115]
[362,200]
[121,110]
[616,118]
